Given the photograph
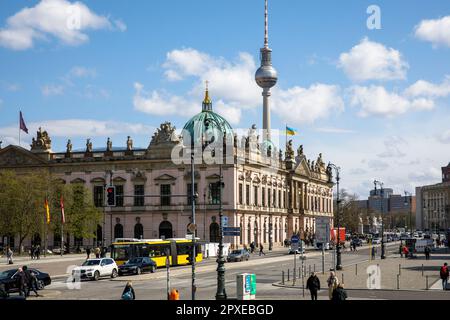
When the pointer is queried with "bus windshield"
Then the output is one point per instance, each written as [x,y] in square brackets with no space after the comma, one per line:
[121,252]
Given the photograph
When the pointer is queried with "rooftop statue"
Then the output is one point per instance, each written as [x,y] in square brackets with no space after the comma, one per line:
[42,141]
[129,144]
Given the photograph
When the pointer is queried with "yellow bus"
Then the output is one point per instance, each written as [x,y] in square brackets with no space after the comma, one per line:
[123,250]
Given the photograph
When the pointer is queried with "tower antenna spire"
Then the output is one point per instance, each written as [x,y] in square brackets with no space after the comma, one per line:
[266,24]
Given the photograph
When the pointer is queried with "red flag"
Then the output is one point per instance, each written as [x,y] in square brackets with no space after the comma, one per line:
[22,124]
[63,218]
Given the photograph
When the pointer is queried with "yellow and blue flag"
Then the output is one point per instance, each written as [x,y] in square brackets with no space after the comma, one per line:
[291,131]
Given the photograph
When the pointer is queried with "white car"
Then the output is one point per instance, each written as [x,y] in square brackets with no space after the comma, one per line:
[96,268]
[376,241]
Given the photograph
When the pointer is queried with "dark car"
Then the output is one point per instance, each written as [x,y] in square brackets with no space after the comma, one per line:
[10,279]
[137,266]
[238,255]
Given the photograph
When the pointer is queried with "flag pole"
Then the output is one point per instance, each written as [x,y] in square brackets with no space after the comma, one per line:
[285,132]
[19,130]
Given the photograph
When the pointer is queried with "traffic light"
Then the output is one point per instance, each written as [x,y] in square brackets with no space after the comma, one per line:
[111,196]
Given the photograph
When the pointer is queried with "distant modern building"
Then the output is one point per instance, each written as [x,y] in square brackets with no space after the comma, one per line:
[433,209]
[387,203]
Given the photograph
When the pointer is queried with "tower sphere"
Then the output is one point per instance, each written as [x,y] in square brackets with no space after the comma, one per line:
[266,77]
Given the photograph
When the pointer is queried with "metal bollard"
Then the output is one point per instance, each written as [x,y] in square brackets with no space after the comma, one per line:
[398,282]
[422,270]
[356,269]
[294,276]
[426,284]
[343,279]
[288,275]
[399,269]
[300,272]
[282,277]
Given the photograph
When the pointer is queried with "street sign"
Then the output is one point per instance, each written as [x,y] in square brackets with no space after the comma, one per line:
[322,230]
[295,239]
[232,231]
[224,221]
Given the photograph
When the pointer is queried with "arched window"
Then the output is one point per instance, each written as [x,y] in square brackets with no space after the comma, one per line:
[99,235]
[118,231]
[214,232]
[36,240]
[139,231]
[165,230]
[256,233]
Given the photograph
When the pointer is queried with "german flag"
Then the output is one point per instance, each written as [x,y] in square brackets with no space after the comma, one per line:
[47,210]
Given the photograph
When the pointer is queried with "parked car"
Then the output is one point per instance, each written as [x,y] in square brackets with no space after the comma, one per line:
[9,279]
[137,266]
[238,255]
[96,268]
[376,241]
[326,246]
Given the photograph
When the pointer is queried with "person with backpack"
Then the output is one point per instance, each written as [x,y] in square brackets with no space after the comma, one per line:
[128,292]
[444,273]
[88,253]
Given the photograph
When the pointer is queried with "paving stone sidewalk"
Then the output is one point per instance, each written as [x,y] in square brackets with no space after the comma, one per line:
[393,273]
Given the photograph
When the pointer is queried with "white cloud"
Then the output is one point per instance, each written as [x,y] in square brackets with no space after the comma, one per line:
[61,19]
[427,176]
[373,61]
[52,90]
[424,88]
[72,128]
[377,165]
[233,90]
[120,25]
[161,103]
[376,100]
[334,130]
[393,145]
[82,72]
[444,137]
[306,105]
[435,31]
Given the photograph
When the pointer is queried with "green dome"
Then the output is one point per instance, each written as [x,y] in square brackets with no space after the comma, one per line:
[207,126]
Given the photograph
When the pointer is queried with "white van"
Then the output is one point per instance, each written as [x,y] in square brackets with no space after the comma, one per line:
[421,244]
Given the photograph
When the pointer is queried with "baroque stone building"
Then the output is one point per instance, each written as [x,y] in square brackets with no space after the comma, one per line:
[433,204]
[270,197]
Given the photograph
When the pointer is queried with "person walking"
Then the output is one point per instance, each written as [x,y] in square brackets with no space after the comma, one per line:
[332,283]
[37,252]
[21,282]
[313,285]
[339,294]
[252,247]
[9,256]
[374,252]
[88,253]
[427,253]
[444,273]
[32,252]
[97,252]
[128,292]
[261,249]
[400,249]
[32,284]
[405,251]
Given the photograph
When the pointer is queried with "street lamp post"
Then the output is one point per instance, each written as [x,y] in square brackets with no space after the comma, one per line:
[338,201]
[376,182]
[194,196]
[410,210]
[221,293]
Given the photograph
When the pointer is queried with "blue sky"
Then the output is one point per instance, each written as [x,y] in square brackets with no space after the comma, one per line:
[374,102]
